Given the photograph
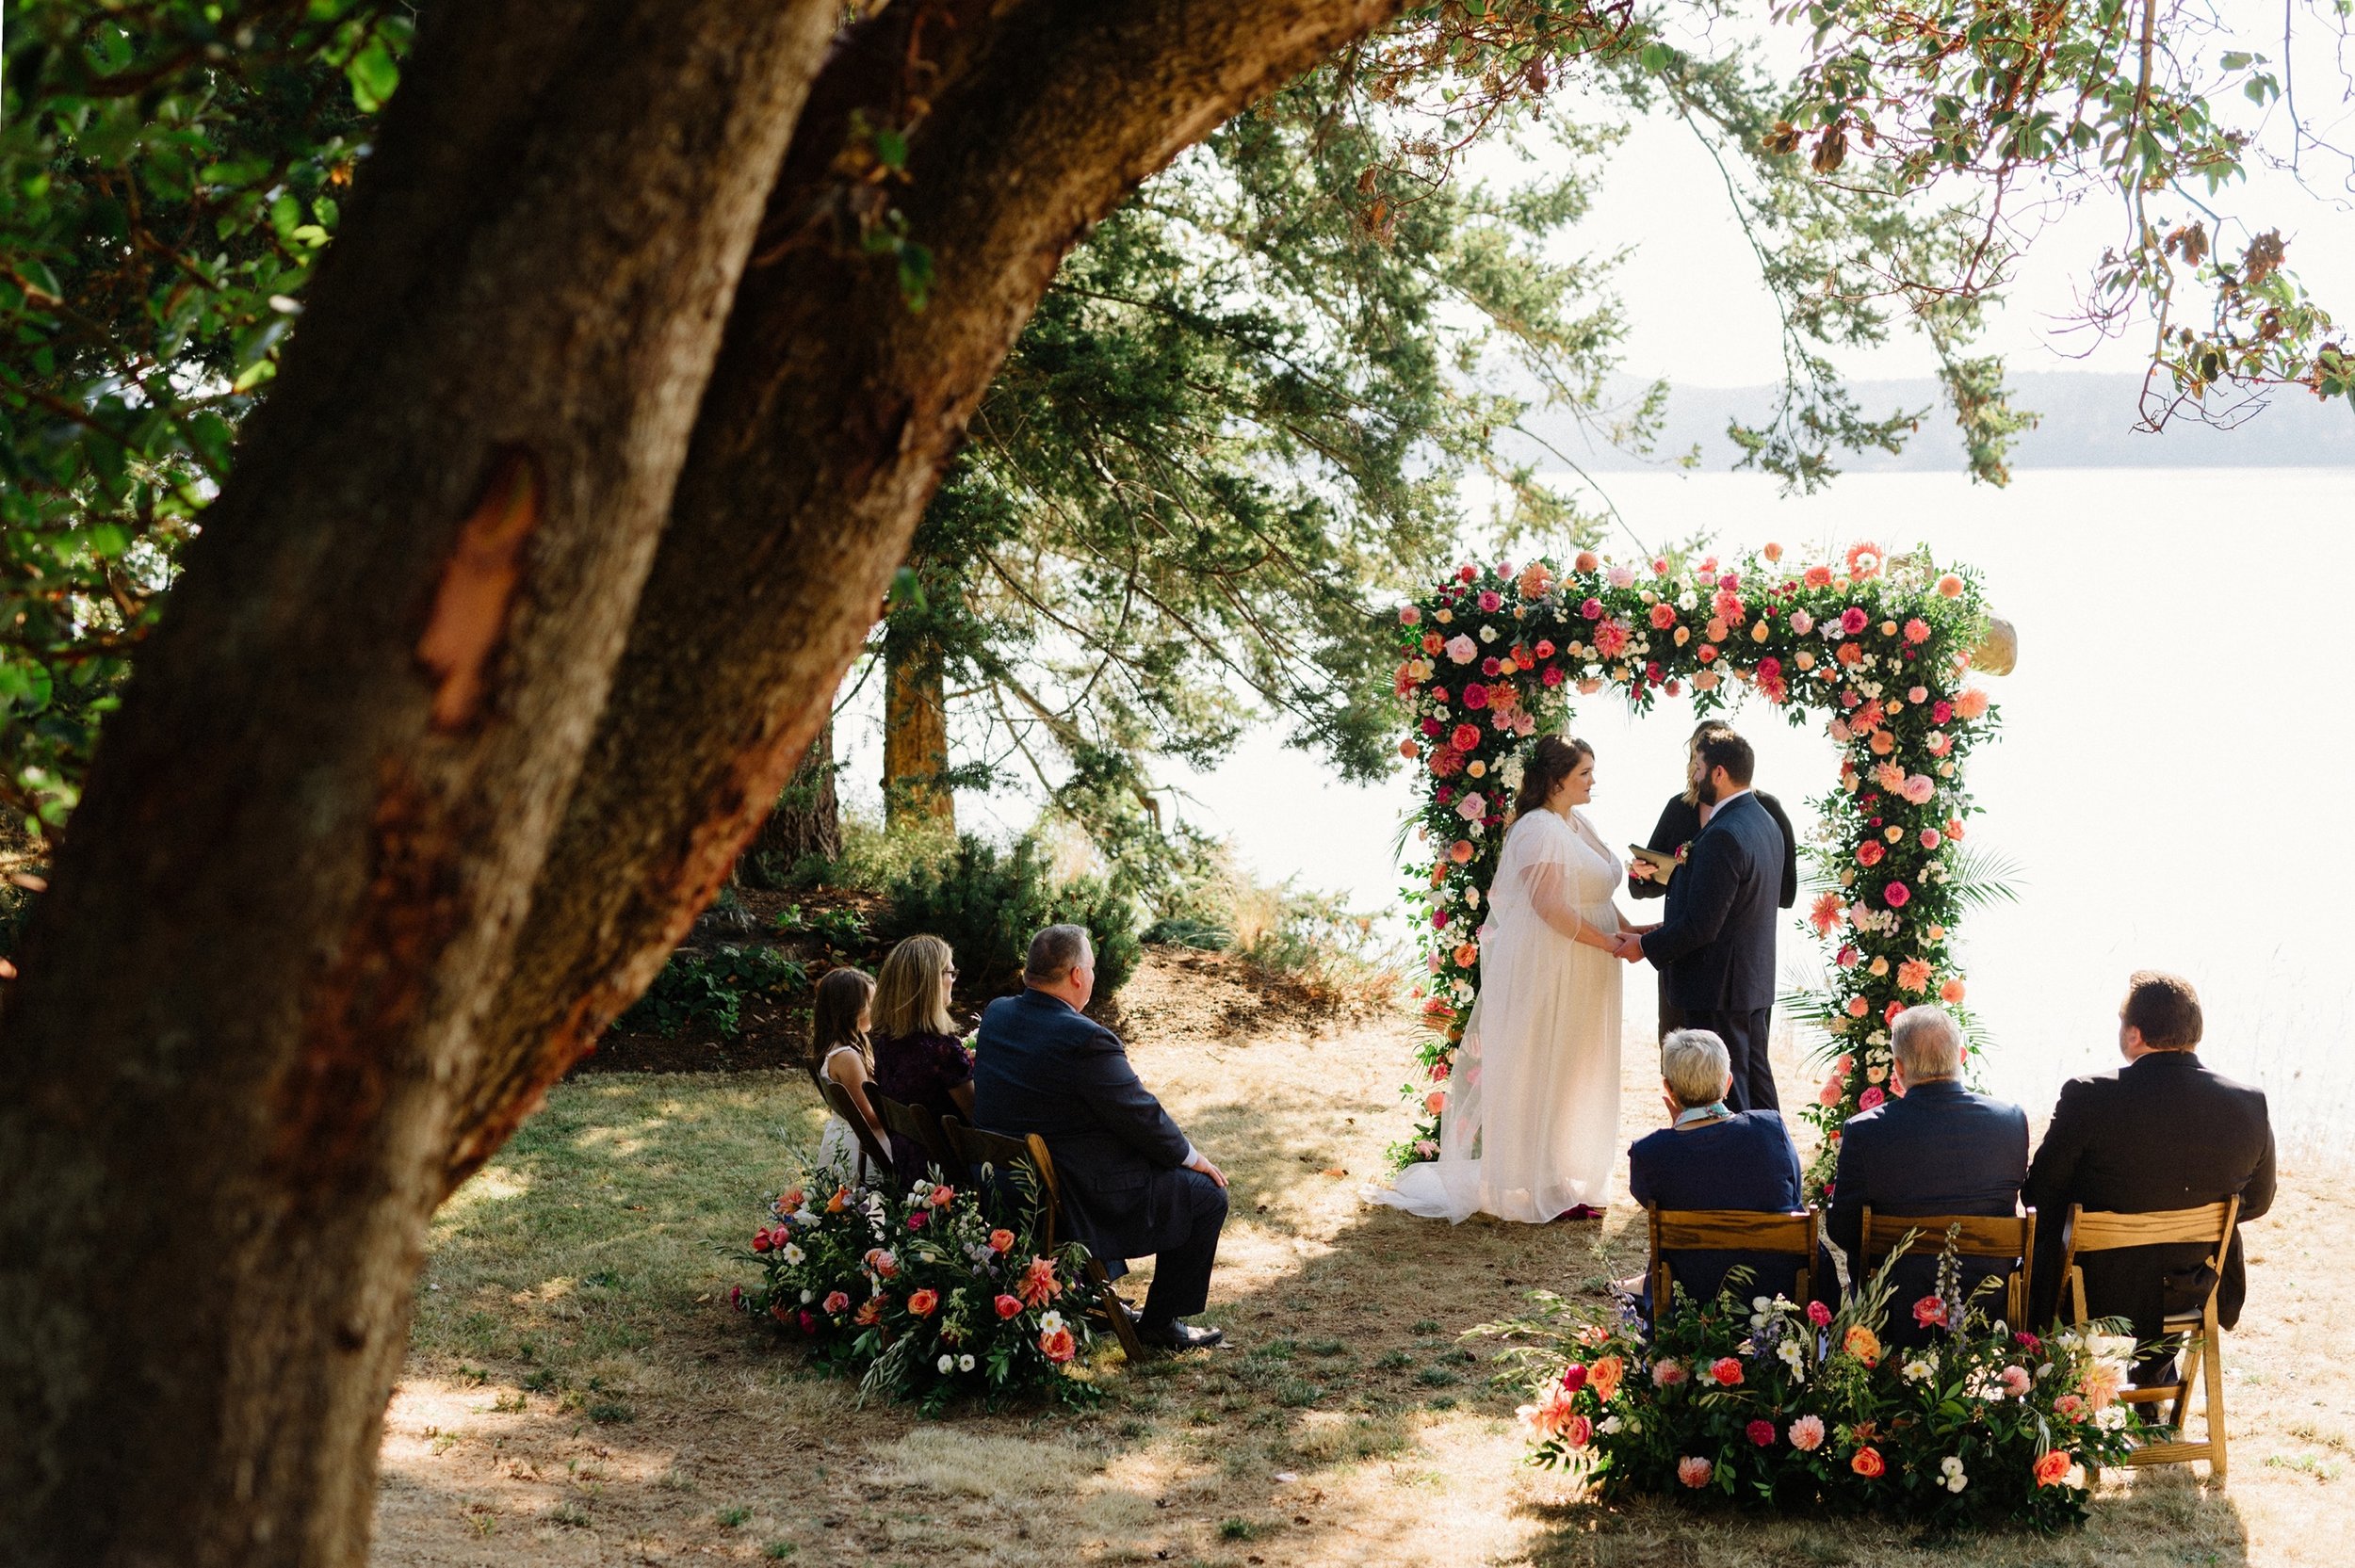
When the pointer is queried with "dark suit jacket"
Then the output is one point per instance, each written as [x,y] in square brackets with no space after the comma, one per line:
[1680,823]
[1716,944]
[1940,1150]
[1744,1161]
[1042,1066]
[2162,1132]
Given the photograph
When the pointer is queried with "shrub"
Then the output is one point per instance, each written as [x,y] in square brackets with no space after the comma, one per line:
[710,988]
[987,904]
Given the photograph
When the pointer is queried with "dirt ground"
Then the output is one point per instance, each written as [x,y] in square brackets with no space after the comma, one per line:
[577,1393]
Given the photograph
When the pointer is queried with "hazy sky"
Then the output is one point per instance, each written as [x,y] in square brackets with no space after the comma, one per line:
[1699,315]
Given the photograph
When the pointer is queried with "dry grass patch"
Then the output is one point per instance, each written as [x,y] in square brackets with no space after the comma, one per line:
[579,1394]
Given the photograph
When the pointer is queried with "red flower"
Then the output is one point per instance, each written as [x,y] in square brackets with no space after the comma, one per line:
[1761,1433]
[1545,649]
[1867,1462]
[1057,1345]
[1465,737]
[924,1303]
[1553,675]
[1897,894]
[1726,1370]
[1574,1377]
[1818,1313]
[836,1302]
[2029,1342]
[1930,1312]
[1008,1306]
[1475,696]
[2053,1468]
[1000,1240]
[1663,616]
[760,1240]
[1870,852]
[1853,620]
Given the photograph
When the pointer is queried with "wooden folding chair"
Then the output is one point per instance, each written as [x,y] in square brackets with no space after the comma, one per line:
[997,1152]
[872,1154]
[2199,1342]
[1677,1230]
[1981,1236]
[920,1126]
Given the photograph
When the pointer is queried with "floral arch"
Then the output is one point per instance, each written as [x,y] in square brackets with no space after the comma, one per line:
[1881,648]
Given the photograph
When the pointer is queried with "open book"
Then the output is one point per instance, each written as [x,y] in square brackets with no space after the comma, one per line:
[1659,859]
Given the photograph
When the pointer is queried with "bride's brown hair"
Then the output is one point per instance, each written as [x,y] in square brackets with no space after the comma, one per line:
[1552,759]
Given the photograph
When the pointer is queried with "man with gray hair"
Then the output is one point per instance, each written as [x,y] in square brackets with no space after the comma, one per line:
[1134,1186]
[1710,1156]
[1924,1145]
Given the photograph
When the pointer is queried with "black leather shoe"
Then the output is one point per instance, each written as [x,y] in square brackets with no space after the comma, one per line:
[1173,1336]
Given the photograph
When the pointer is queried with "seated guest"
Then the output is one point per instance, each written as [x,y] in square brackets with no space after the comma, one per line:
[1132,1184]
[1939,1149]
[919,1058]
[1712,1158]
[2162,1132]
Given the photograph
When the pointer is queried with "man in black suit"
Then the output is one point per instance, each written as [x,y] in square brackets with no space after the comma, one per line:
[1680,821]
[1716,946]
[1134,1186]
[1937,1149]
[2162,1132]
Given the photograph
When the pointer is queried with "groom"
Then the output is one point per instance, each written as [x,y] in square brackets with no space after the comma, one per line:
[1716,946]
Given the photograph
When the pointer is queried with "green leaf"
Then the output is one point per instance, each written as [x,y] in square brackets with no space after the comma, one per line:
[373,74]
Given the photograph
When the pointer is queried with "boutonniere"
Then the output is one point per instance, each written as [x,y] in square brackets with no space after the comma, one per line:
[1685,851]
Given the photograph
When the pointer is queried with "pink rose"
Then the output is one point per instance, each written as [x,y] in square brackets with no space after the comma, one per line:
[1578,1431]
[1553,675]
[836,1302]
[1802,622]
[1920,787]
[1408,615]
[1694,1473]
[1853,621]
[1930,1312]
[1471,808]
[1898,895]
[1663,616]
[1941,711]
[1871,1099]
[1806,1433]
[1491,602]
[1931,838]
[1622,576]
[1462,649]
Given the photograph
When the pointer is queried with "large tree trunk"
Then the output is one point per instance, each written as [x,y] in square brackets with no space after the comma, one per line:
[915,733]
[248,1028]
[828,421]
[345,891]
[807,822]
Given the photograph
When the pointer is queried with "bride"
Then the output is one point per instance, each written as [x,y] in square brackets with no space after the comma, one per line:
[1532,1120]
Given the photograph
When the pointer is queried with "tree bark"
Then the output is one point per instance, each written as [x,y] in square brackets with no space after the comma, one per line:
[823,434]
[247,1022]
[915,735]
[807,822]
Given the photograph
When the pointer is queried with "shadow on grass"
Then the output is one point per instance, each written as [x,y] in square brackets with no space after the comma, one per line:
[578,1387]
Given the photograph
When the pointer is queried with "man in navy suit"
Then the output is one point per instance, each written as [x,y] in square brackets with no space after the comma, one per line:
[1937,1149]
[1134,1186]
[2162,1132]
[1716,945]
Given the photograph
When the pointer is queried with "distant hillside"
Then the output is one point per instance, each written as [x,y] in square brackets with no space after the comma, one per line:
[2088,423]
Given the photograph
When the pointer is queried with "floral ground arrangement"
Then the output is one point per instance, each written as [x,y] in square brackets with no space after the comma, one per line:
[937,1294]
[1789,1408]
[1880,647]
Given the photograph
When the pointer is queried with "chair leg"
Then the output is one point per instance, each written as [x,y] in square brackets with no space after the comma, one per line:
[1115,1316]
[2213,1355]
[2188,1370]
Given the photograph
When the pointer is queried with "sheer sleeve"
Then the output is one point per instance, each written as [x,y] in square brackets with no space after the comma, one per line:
[1547,885]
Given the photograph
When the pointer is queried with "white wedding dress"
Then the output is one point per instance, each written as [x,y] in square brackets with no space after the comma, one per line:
[1532,1123]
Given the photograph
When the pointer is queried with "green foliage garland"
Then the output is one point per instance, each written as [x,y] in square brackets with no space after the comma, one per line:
[1880,647]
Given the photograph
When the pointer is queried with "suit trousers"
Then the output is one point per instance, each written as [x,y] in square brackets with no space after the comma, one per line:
[1182,1274]
[1745,1035]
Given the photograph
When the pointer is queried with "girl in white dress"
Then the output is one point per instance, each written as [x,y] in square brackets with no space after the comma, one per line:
[1530,1127]
[840,1014]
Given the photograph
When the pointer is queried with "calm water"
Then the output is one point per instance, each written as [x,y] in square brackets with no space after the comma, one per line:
[2175,779]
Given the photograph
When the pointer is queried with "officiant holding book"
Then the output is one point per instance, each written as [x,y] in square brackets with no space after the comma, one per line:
[1716,949]
[1681,822]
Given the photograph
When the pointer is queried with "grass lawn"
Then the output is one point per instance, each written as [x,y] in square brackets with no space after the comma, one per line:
[578,1393]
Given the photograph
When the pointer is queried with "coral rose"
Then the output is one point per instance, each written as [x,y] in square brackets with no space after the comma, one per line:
[924,1303]
[1930,1312]
[1663,616]
[836,1302]
[1951,993]
[1578,1431]
[1870,852]
[1867,1462]
[1694,1472]
[1726,1371]
[1436,1102]
[1818,576]
[1008,1306]
[1585,561]
[1603,1378]
[1056,1344]
[1772,551]
[2053,1468]
[1460,851]
[1408,615]
[1859,1007]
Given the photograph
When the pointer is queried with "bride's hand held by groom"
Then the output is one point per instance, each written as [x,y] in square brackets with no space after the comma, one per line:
[1629,944]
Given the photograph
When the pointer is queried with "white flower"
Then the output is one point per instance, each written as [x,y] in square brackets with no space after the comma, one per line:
[1922,1371]
[1472,897]
[2110,1419]
[1488,633]
[946,1361]
[807,1297]
[1049,1321]
[1789,1352]
[1688,600]
[1951,1467]
[964,1363]
[1610,1425]
[793,1254]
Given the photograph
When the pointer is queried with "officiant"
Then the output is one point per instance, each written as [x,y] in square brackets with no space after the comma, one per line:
[1683,817]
